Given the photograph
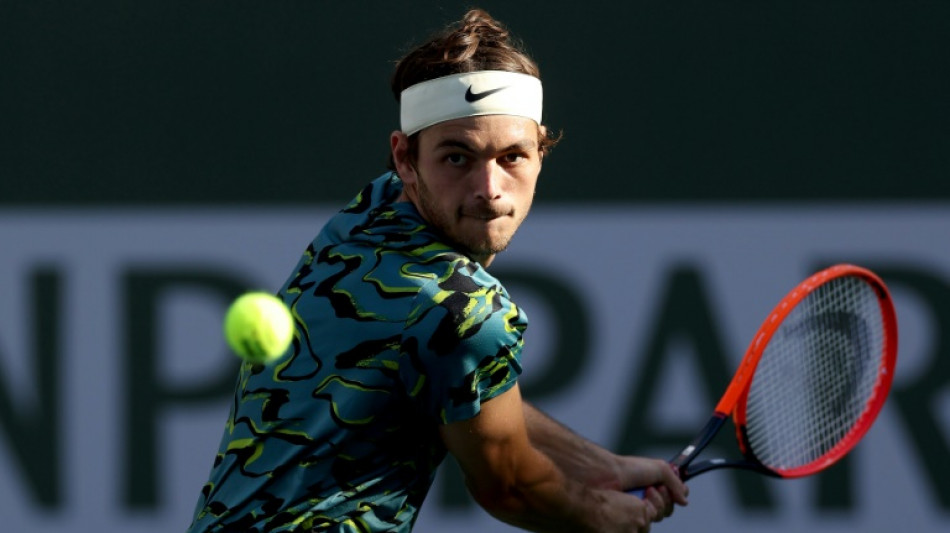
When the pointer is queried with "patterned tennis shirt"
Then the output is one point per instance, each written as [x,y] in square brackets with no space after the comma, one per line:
[396,333]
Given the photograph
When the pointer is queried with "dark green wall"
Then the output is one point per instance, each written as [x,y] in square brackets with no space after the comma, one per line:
[224,102]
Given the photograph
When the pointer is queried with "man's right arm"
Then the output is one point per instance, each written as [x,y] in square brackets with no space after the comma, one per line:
[517,483]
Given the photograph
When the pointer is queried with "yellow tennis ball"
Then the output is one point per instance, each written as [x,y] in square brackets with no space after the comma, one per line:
[258,327]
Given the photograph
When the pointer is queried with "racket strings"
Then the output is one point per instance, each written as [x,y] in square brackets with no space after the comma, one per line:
[816,375]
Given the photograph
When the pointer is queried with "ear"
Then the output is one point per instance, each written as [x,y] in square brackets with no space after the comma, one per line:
[542,133]
[399,146]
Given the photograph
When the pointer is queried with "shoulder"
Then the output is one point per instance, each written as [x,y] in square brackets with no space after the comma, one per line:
[458,280]
[464,304]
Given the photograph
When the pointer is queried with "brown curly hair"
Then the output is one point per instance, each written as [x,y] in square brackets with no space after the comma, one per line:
[477,42]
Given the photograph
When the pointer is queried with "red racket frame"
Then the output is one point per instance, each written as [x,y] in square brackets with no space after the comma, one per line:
[733,401]
[736,395]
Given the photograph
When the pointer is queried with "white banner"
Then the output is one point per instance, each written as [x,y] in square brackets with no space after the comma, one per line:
[114,378]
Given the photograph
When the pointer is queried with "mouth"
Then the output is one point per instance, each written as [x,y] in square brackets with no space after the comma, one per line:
[486,214]
[486,218]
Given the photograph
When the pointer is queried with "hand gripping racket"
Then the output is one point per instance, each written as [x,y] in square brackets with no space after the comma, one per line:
[812,381]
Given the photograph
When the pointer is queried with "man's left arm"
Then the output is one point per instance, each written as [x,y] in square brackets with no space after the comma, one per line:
[593,465]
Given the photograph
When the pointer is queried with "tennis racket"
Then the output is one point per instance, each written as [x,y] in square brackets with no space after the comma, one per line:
[812,381]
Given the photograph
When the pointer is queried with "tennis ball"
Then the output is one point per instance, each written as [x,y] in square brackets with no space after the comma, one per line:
[258,327]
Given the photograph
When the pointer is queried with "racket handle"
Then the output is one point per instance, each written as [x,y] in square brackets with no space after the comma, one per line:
[639,493]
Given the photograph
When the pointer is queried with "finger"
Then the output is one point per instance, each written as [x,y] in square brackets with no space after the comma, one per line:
[655,497]
[649,514]
[649,507]
[678,489]
[667,499]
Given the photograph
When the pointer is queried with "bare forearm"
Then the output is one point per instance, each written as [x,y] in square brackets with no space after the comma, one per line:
[521,484]
[549,502]
[579,458]
[593,466]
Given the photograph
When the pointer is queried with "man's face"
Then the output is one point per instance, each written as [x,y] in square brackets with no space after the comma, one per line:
[474,179]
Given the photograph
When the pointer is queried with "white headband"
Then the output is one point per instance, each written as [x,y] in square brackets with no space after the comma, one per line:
[487,92]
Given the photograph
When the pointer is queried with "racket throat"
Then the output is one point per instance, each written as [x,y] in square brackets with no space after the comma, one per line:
[714,464]
[703,438]
[685,467]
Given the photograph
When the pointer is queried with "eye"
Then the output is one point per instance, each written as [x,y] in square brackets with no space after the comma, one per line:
[456,160]
[512,158]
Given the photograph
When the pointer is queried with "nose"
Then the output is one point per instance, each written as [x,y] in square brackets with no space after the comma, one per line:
[489,180]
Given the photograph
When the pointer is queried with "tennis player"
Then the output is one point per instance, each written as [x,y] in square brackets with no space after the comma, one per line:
[406,348]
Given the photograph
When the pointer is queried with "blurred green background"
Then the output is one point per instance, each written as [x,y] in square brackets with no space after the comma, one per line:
[287,102]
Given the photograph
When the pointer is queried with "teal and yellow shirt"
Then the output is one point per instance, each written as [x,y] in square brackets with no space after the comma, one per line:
[396,333]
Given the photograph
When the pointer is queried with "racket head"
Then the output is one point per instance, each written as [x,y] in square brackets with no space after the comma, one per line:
[817,372]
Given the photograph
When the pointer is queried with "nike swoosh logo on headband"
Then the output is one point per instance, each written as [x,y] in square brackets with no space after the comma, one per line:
[474,97]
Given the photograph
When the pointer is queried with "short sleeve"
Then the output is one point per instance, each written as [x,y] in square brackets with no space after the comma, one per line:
[461,344]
